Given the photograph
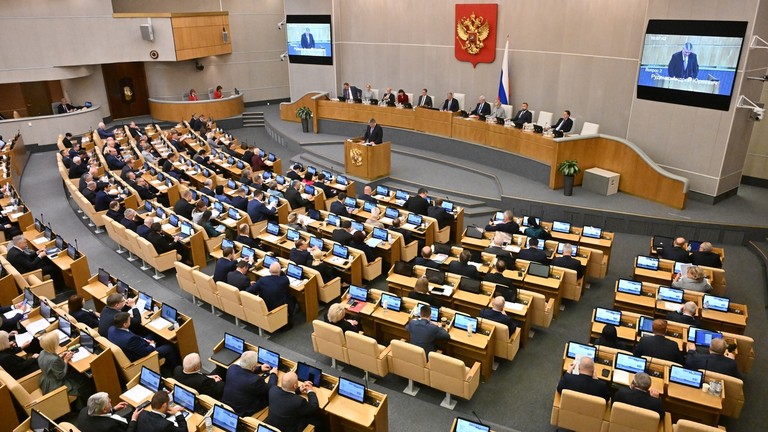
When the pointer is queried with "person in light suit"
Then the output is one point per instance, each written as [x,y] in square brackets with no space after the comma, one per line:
[373,133]
[565,123]
[307,40]
[424,100]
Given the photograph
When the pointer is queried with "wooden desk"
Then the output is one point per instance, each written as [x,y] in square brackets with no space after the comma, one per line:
[691,403]
[173,110]
[348,415]
[549,287]
[432,121]
[369,162]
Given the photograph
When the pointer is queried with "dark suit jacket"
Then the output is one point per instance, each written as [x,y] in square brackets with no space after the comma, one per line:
[88,423]
[499,317]
[376,136]
[248,241]
[417,204]
[307,42]
[183,208]
[533,254]
[77,170]
[438,213]
[714,362]
[427,102]
[16,366]
[295,200]
[425,298]
[639,398]
[222,269]
[570,262]
[659,347]
[300,257]
[240,203]
[113,162]
[424,334]
[675,67]
[567,124]
[337,207]
[101,200]
[484,110]
[452,105]
[510,227]
[523,117]
[106,320]
[142,231]
[388,98]
[22,261]
[500,279]
[129,224]
[199,382]
[426,262]
[246,392]
[134,347]
[682,318]
[289,412]
[86,317]
[366,197]
[206,191]
[467,270]
[161,243]
[708,259]
[275,290]
[341,236]
[584,384]
[407,236]
[675,254]
[238,280]
[61,108]
[365,249]
[154,422]
[258,211]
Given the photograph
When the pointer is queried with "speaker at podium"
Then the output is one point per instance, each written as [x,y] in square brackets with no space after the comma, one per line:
[367,161]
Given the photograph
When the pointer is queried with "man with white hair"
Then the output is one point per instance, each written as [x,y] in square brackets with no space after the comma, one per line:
[102,131]
[569,262]
[25,260]
[482,108]
[640,394]
[246,391]
[275,290]
[686,314]
[77,168]
[129,219]
[99,416]
[191,375]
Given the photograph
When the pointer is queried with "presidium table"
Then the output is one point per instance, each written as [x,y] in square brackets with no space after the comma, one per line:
[367,161]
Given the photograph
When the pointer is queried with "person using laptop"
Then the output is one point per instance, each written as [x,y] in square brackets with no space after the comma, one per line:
[161,243]
[238,277]
[160,417]
[367,195]
[136,347]
[463,267]
[585,381]
[337,316]
[496,313]
[504,230]
[99,416]
[26,260]
[294,198]
[717,360]
[338,207]
[437,212]
[190,374]
[275,290]
[424,260]
[569,262]
[257,210]
[343,234]
[424,332]
[657,345]
[418,203]
[288,411]
[421,292]
[245,390]
[686,314]
[640,394]
[675,253]
[498,277]
[532,253]
[693,280]
[224,265]
[705,257]
[397,226]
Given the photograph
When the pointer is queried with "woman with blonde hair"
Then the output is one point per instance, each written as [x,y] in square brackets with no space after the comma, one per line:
[374,219]
[337,315]
[16,366]
[56,373]
[694,280]
[421,292]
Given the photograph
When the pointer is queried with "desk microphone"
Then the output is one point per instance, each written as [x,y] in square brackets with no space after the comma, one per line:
[478,418]
[42,219]
[77,249]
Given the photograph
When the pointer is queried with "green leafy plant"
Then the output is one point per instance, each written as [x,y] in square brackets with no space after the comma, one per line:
[568,168]
[304,113]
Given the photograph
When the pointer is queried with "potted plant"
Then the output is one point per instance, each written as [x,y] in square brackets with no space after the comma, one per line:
[568,168]
[304,113]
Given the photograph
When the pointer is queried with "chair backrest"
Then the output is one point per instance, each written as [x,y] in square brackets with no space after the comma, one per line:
[460,99]
[683,425]
[117,352]
[581,411]
[375,93]
[410,98]
[545,118]
[501,337]
[509,111]
[184,277]
[18,391]
[571,286]
[408,353]
[540,309]
[204,281]
[446,365]
[328,333]
[629,418]
[361,344]
[590,128]
[252,302]
[734,393]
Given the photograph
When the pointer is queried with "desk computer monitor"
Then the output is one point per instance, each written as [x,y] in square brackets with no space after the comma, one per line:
[40,423]
[414,219]
[247,252]
[232,350]
[391,302]
[686,377]
[309,189]
[577,349]
[160,212]
[358,293]
[560,246]
[169,313]
[173,220]
[295,271]
[186,230]
[224,419]
[435,276]
[30,299]
[312,170]
[227,243]
[382,190]
[464,425]
[629,287]
[122,288]
[608,316]
[660,241]
[648,263]
[149,379]
[280,179]
[48,233]
[561,227]
[693,245]
[368,206]
[275,202]
[65,326]
[39,224]
[267,357]
[350,202]
[86,341]
[447,206]
[719,304]
[702,337]
[401,195]
[233,214]
[313,214]
[340,251]
[540,270]
[592,232]
[462,322]
[333,219]
[45,310]
[498,216]
[630,363]
[525,221]
[645,325]
[380,234]
[292,235]
[104,277]
[351,390]
[72,252]
[184,397]
[306,372]
[670,294]
[145,300]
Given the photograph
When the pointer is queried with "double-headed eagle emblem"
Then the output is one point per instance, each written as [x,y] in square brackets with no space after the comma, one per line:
[357,157]
[473,31]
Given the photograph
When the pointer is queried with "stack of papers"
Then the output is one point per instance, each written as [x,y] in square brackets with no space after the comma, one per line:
[372,242]
[514,306]
[80,354]
[137,393]
[40,240]
[159,323]
[270,238]
[37,326]
[23,338]
[12,313]
[439,258]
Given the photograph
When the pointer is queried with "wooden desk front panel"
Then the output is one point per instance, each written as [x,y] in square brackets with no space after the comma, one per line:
[433,122]
[175,110]
[362,113]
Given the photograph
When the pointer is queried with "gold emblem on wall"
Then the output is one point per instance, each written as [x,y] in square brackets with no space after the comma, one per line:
[472,30]
[357,157]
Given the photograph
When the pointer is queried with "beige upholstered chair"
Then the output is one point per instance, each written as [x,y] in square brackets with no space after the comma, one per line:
[734,393]
[159,262]
[229,296]
[365,353]
[572,286]
[207,289]
[329,340]
[629,418]
[545,118]
[408,361]
[597,267]
[540,310]
[505,346]
[327,291]
[579,412]
[452,376]
[590,128]
[28,394]
[256,313]
[408,251]
[131,242]
[683,425]
[128,369]
[442,235]
[186,280]
[34,280]
[371,270]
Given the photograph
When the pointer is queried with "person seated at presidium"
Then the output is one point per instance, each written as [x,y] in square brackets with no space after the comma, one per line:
[350,92]
[402,98]
[193,95]
[373,133]
[368,92]
[66,107]
[450,104]
[523,116]
[388,98]
[498,110]
[482,108]
[217,93]
[424,100]
[565,123]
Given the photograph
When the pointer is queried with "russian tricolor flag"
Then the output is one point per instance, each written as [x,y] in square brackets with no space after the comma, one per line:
[504,78]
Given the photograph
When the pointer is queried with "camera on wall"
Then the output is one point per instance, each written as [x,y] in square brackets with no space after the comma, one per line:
[284,56]
[758,113]
[280,25]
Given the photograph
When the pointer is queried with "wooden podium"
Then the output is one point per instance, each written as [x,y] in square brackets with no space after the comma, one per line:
[369,162]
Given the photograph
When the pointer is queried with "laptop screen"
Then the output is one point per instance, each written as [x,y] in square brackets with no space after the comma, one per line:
[234,343]
[368,206]
[401,195]
[273,228]
[525,221]
[645,324]
[648,263]
[60,242]
[72,252]
[146,299]
[352,390]
[173,220]
[498,216]
[292,234]
[687,377]
[313,214]
[333,219]
[693,245]
[45,310]
[340,251]
[630,363]
[391,212]
[104,277]
[186,228]
[391,302]
[160,212]
[435,276]
[574,249]
[306,372]
[270,358]
[592,232]
[295,271]
[629,287]
[169,313]
[269,260]
[48,233]
[184,397]
[224,419]
[86,341]
[561,227]
[358,293]
[247,252]
[64,325]
[670,294]
[607,316]
[447,205]
[148,205]
[350,202]
[312,170]
[309,189]
[576,349]
[464,425]
[382,190]
[149,379]
[280,179]
[540,270]
[316,242]
[358,226]
[661,241]
[716,303]
[702,337]
[414,219]
[462,322]
[380,234]
[122,287]
[233,214]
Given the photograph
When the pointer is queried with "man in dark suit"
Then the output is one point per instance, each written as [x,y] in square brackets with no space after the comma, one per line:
[257,210]
[498,277]
[307,40]
[294,198]
[224,265]
[507,229]
[718,360]
[351,92]
[496,313]
[686,314]
[397,227]
[388,98]
[136,347]
[338,207]
[288,411]
[640,394]
[367,195]
[144,229]
[342,235]
[244,236]
[25,260]
[300,253]
[424,332]
[116,303]
[159,241]
[246,391]
[159,417]
[373,133]
[98,416]
[207,188]
[113,161]
[424,260]
[569,262]
[658,345]
[450,104]
[675,253]
[321,182]
[523,116]
[184,206]
[418,203]
[585,381]
[240,201]
[238,277]
[532,253]
[129,220]
[437,212]
[683,64]
[77,168]
[425,100]
[66,107]
[482,108]
[705,257]
[275,290]
[565,123]
[190,374]
[463,267]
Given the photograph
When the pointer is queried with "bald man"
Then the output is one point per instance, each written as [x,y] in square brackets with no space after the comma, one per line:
[275,290]
[497,313]
[677,252]
[191,375]
[585,381]
[288,411]
[718,360]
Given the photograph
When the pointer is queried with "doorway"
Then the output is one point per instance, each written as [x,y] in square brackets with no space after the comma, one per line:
[126,85]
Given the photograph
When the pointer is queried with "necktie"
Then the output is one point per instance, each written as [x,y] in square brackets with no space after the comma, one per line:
[685,63]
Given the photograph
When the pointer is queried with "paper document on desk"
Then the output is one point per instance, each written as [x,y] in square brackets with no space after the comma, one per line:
[80,354]
[137,393]
[439,258]
[17,215]
[386,221]
[40,240]
[620,376]
[476,264]
[159,323]
[62,336]
[155,182]
[162,188]
[512,248]
[167,227]
[38,325]
[12,313]
[409,226]
[295,282]
[23,338]
[670,306]
[305,220]
[270,238]
[372,242]
[518,307]
[263,272]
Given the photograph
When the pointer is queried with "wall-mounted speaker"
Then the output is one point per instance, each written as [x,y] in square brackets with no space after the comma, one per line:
[224,35]
[147,33]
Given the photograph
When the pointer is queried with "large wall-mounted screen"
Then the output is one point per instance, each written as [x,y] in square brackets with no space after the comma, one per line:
[309,39]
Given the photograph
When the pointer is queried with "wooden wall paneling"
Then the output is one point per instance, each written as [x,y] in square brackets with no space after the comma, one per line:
[201,36]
